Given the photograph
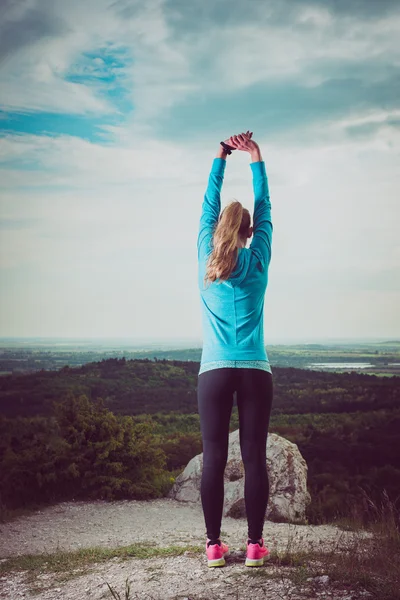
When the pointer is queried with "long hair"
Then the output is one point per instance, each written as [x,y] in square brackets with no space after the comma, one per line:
[233,223]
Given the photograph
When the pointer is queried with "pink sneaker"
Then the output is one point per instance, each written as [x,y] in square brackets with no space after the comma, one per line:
[256,554]
[215,554]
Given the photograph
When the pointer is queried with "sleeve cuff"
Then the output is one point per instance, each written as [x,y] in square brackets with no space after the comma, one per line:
[258,168]
[218,165]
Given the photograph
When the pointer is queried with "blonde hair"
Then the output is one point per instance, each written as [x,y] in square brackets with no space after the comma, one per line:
[233,223]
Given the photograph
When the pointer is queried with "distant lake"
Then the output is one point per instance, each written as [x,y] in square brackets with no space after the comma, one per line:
[336,365]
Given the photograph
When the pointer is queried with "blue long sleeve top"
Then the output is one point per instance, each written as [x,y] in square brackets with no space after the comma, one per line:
[233,310]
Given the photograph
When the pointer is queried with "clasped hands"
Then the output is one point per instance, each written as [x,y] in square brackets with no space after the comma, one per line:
[242,141]
[234,139]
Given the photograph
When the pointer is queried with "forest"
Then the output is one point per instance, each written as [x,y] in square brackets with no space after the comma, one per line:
[126,428]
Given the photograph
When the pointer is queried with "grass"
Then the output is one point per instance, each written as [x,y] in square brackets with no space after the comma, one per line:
[59,562]
[354,563]
[116,595]
[69,565]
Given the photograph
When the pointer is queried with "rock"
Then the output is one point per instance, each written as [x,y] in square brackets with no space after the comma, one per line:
[287,472]
[322,579]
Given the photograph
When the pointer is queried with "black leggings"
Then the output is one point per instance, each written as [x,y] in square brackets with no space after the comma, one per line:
[215,390]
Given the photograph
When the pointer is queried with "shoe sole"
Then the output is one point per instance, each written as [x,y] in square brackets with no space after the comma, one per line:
[218,562]
[256,562]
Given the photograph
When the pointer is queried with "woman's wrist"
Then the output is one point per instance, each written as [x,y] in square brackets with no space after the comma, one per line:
[256,155]
[221,153]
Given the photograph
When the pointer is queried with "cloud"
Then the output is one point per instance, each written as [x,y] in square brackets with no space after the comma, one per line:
[115,112]
[364,9]
[174,61]
[53,31]
[22,25]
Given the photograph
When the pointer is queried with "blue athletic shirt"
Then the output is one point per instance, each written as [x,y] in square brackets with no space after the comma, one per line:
[233,310]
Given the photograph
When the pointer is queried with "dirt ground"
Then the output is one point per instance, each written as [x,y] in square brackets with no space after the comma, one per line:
[162,522]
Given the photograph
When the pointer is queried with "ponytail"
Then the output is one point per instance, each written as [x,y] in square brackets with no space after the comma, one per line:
[233,223]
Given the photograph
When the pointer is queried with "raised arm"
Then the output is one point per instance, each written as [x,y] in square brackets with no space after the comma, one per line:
[211,206]
[262,222]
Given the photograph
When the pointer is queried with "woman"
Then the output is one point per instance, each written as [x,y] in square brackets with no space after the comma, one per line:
[232,281]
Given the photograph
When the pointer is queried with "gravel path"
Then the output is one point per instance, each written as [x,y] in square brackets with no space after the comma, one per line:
[164,522]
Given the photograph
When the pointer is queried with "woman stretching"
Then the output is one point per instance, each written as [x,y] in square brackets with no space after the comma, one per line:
[232,281]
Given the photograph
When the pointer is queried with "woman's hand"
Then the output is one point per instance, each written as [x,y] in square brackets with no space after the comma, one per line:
[230,140]
[243,142]
[237,142]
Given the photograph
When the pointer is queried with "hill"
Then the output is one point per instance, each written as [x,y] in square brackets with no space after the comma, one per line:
[143,386]
[125,429]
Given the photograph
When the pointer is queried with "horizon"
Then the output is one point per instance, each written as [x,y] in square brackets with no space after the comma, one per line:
[188,342]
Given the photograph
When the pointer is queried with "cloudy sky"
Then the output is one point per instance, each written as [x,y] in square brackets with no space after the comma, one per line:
[111,115]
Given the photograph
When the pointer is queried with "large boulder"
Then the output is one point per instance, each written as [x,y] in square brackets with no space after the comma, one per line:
[287,473]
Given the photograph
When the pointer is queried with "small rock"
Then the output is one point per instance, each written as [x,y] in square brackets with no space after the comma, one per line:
[319,578]
[322,579]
